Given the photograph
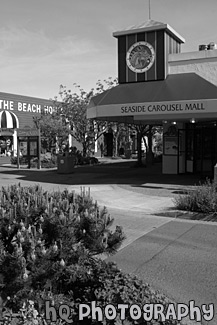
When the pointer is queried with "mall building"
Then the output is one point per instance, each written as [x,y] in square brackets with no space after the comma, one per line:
[160,85]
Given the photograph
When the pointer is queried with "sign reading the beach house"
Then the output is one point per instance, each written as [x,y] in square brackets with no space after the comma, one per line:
[27,107]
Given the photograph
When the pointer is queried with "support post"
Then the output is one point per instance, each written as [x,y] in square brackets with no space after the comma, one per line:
[28,152]
[139,149]
[15,143]
[1,309]
[39,148]
[215,175]
[18,153]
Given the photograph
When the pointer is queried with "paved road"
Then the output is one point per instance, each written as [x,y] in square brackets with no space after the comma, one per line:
[178,258]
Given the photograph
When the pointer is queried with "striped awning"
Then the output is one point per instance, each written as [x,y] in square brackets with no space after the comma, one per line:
[8,120]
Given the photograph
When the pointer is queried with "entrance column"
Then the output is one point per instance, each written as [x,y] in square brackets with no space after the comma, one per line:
[15,143]
[173,149]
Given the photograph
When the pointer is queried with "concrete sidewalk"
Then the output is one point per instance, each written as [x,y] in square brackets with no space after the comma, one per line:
[115,196]
[131,195]
[133,211]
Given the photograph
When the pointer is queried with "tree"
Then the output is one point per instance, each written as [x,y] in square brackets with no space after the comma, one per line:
[145,131]
[158,139]
[74,108]
[70,117]
[53,129]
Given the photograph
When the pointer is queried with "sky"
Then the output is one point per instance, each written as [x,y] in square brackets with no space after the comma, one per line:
[48,43]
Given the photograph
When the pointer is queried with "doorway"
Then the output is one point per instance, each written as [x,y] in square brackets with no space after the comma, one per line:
[201,150]
[205,150]
[108,144]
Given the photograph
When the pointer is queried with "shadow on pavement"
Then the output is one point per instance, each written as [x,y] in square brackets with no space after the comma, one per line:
[115,173]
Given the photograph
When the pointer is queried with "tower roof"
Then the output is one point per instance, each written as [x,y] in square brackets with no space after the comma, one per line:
[150,25]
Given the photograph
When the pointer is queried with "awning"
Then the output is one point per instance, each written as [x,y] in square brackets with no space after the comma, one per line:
[179,96]
[8,120]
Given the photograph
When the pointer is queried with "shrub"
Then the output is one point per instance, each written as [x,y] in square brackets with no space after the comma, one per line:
[80,159]
[88,161]
[45,162]
[49,251]
[39,229]
[202,199]
[51,162]
[22,160]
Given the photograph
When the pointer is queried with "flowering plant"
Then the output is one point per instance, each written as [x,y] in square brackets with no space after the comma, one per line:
[48,242]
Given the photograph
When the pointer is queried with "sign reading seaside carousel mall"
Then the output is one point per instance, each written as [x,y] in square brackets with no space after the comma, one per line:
[154,110]
[159,108]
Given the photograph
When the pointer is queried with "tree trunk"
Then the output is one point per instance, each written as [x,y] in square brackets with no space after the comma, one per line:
[145,142]
[149,152]
[139,148]
[115,149]
[84,150]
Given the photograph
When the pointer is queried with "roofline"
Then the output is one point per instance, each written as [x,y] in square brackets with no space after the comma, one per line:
[3,94]
[167,27]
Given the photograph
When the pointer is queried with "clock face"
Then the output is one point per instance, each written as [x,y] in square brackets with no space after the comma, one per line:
[140,57]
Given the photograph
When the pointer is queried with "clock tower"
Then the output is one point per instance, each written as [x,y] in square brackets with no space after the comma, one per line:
[143,51]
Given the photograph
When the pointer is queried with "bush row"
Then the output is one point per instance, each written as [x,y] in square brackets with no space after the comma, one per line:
[52,162]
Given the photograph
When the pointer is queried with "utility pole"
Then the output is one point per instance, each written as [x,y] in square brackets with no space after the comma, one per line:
[149,6]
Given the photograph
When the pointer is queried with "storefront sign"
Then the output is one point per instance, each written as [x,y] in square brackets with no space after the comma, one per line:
[159,108]
[27,132]
[170,146]
[25,106]
[6,131]
[153,110]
